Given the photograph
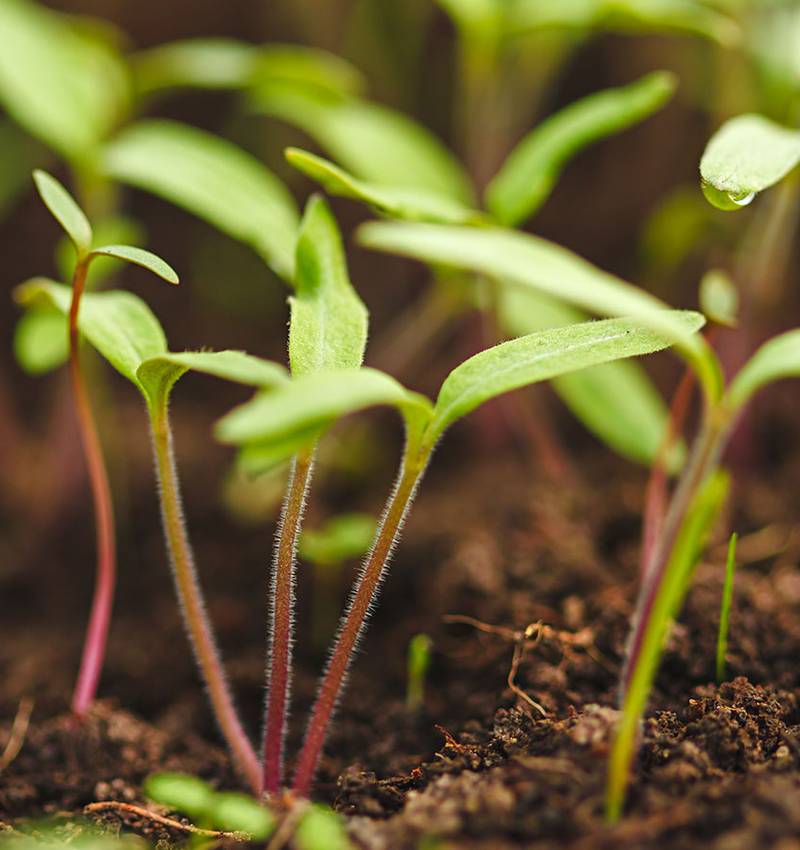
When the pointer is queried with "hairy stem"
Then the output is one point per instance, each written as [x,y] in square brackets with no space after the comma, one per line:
[192,605]
[97,631]
[354,622]
[282,590]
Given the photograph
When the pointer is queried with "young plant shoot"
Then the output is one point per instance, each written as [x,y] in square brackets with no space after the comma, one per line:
[72,219]
[725,608]
[313,402]
[124,330]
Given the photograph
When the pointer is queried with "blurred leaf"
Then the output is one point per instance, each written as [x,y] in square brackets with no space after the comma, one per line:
[776,359]
[328,326]
[118,324]
[255,459]
[616,401]
[222,63]
[139,257]
[320,828]
[124,330]
[214,180]
[525,260]
[746,155]
[637,16]
[316,400]
[373,142]
[65,86]
[40,341]
[542,356]
[66,212]
[400,202]
[719,299]
[180,792]
[343,538]
[531,171]
[233,812]
[675,228]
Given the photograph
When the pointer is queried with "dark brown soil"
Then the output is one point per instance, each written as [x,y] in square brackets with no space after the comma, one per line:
[482,765]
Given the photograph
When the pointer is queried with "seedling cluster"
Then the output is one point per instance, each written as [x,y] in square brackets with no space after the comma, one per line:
[538,294]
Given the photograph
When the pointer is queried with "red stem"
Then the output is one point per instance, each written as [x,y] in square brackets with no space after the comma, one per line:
[282,594]
[353,625]
[97,630]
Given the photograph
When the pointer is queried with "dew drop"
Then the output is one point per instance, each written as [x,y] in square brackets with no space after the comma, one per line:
[741,200]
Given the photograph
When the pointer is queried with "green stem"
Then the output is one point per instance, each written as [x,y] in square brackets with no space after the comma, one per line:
[725,609]
[192,604]
[102,602]
[354,621]
[282,593]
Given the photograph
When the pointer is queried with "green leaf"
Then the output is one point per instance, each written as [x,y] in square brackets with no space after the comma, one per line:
[315,401]
[776,359]
[525,260]
[343,538]
[635,16]
[321,829]
[66,212]
[40,341]
[719,299]
[63,84]
[616,401]
[474,14]
[407,203]
[118,324]
[222,63]
[374,143]
[124,330]
[180,792]
[746,155]
[529,174]
[233,812]
[140,257]
[214,180]
[256,459]
[328,327]
[725,608]
[208,63]
[540,357]
[157,375]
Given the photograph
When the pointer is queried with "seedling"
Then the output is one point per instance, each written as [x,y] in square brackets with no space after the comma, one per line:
[419,662]
[77,227]
[314,401]
[725,609]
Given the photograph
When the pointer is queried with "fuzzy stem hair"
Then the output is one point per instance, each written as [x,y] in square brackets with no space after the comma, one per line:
[193,606]
[281,627]
[354,621]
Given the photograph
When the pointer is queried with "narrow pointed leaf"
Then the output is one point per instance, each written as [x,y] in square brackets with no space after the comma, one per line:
[374,143]
[525,260]
[65,210]
[542,356]
[746,155]
[317,400]
[616,401]
[328,327]
[405,203]
[212,179]
[140,257]
[532,170]
[779,358]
